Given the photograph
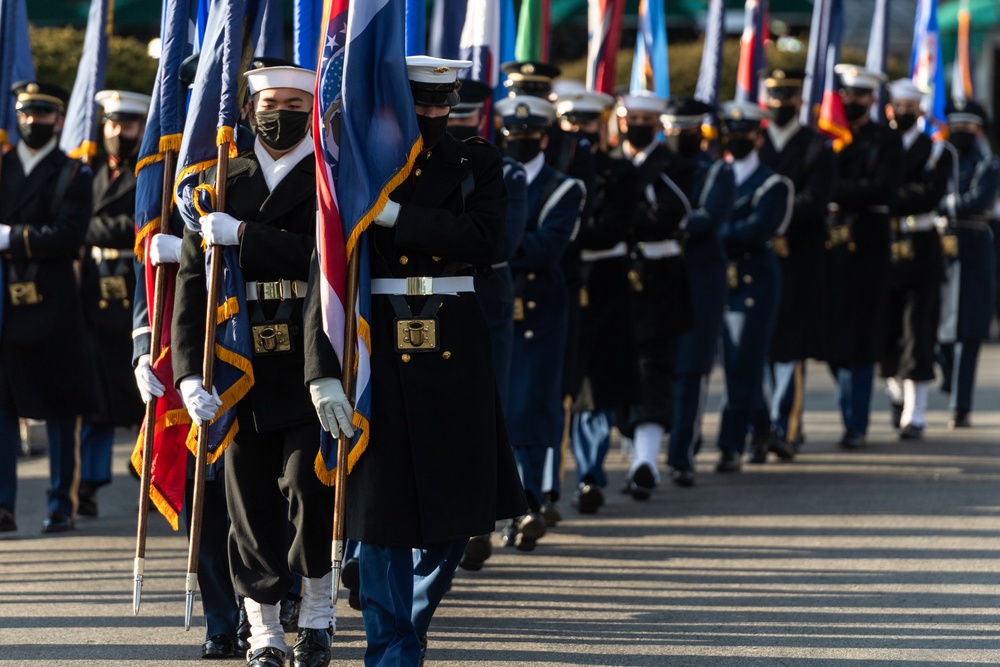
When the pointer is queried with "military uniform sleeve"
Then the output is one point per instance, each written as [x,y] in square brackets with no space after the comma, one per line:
[612,209]
[272,251]
[474,236]
[921,196]
[716,201]
[63,237]
[771,209]
[517,209]
[543,247]
[660,219]
[111,231]
[812,198]
[877,188]
[320,358]
[187,330]
[980,196]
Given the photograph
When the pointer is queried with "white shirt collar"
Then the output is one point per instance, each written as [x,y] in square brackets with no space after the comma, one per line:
[31,159]
[780,136]
[911,134]
[742,169]
[275,170]
[639,157]
[533,167]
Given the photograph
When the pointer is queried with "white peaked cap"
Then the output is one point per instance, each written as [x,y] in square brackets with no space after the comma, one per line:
[584,101]
[564,87]
[425,69]
[905,89]
[285,76]
[123,101]
[643,100]
[855,76]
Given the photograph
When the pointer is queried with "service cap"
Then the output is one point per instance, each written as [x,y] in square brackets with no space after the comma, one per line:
[434,81]
[472,97]
[683,113]
[856,76]
[123,104]
[905,89]
[39,97]
[743,116]
[283,76]
[525,113]
[643,100]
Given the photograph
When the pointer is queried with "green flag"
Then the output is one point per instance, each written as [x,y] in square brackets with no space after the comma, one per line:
[533,31]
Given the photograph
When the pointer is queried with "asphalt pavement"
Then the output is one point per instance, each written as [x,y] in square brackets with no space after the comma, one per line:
[884,556]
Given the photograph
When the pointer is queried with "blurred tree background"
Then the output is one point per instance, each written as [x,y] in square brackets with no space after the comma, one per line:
[57,51]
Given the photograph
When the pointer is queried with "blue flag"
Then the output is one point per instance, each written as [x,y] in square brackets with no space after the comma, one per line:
[926,68]
[79,136]
[447,24]
[308,19]
[272,31]
[232,29]
[15,63]
[416,27]
[650,67]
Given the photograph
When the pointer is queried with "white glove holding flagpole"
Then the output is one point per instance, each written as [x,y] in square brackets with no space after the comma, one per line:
[387,218]
[220,229]
[149,385]
[332,407]
[164,249]
[201,405]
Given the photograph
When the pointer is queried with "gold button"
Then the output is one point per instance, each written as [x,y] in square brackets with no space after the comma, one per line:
[102,304]
[403,259]
[436,259]
[126,303]
[417,172]
[531,305]
[406,358]
[446,355]
[531,276]
[749,302]
[748,279]
[529,334]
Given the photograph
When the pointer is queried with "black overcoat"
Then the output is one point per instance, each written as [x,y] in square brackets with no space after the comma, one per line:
[438,465]
[46,370]
[109,321]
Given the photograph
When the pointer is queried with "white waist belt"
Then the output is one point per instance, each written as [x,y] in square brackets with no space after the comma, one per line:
[500,265]
[281,290]
[619,250]
[423,286]
[923,222]
[660,249]
[100,254]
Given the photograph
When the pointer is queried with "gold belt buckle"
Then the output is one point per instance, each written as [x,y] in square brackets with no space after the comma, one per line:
[113,288]
[902,250]
[24,294]
[840,235]
[269,291]
[949,245]
[518,309]
[733,275]
[635,280]
[584,297]
[419,286]
[780,244]
[416,334]
[271,337]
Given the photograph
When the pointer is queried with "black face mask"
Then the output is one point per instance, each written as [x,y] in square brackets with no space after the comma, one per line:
[963,142]
[121,148]
[905,121]
[463,132]
[281,128]
[684,145]
[784,115]
[593,137]
[640,136]
[35,135]
[855,110]
[432,129]
[523,150]
[740,148]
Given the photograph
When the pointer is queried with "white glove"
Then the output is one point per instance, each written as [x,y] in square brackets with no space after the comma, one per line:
[165,249]
[4,237]
[387,218]
[149,385]
[220,229]
[200,405]
[332,406]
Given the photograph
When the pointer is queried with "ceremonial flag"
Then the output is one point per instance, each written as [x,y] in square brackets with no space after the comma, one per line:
[481,41]
[271,43]
[926,69]
[447,28]
[232,29]
[15,64]
[961,73]
[710,72]
[533,31]
[306,27]
[367,138]
[752,59]
[822,108]
[878,53]
[164,124]
[650,70]
[79,135]
[416,27]
[604,21]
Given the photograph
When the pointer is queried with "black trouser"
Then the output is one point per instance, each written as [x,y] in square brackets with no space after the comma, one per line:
[912,333]
[656,352]
[263,470]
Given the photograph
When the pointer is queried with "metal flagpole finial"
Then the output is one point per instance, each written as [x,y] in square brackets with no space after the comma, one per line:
[192,584]
[137,590]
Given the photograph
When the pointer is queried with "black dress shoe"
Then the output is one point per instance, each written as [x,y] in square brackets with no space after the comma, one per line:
[895,414]
[57,522]
[588,498]
[852,440]
[312,648]
[523,532]
[7,523]
[86,500]
[477,551]
[350,577]
[423,650]
[959,419]
[682,477]
[267,656]
[912,432]
[219,646]
[288,614]
[243,630]
[800,439]
[729,461]
[782,449]
[641,482]
[757,451]
[550,512]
